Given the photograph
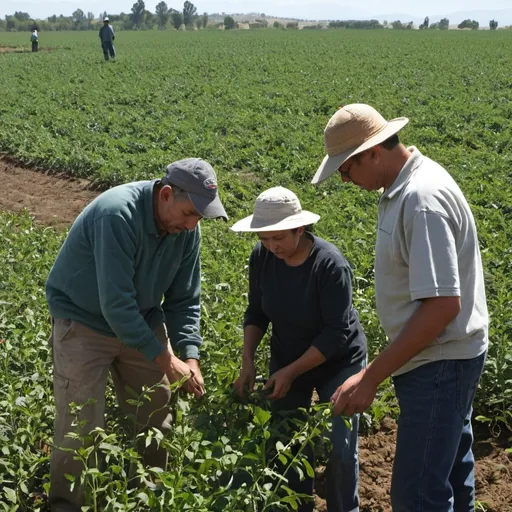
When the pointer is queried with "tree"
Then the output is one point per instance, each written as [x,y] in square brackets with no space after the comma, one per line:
[493,24]
[103,15]
[444,24]
[148,19]
[90,21]
[22,16]
[189,11]
[397,24]
[10,22]
[176,19]
[425,23]
[204,19]
[162,13]
[229,23]
[472,24]
[277,25]
[78,16]
[137,16]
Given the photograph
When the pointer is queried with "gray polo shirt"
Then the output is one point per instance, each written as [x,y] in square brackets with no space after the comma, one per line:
[427,246]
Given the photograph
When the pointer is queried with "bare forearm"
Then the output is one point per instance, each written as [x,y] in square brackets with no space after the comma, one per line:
[425,325]
[252,338]
[310,359]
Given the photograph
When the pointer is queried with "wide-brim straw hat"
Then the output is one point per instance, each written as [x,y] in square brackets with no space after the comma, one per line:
[276,209]
[352,130]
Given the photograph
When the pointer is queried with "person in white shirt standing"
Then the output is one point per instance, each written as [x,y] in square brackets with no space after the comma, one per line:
[431,303]
[34,39]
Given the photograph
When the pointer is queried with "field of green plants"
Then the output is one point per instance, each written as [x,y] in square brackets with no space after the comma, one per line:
[254,104]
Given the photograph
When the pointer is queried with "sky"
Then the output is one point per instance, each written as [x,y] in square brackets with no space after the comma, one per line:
[307,9]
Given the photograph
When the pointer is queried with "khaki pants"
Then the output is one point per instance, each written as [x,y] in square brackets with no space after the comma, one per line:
[82,359]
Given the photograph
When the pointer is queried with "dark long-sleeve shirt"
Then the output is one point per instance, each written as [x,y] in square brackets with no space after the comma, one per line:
[114,269]
[106,33]
[308,305]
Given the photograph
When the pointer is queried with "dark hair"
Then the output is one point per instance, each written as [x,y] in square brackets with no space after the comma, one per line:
[307,229]
[391,142]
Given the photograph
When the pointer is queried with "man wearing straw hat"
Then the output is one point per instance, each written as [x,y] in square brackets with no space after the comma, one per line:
[430,297]
[302,285]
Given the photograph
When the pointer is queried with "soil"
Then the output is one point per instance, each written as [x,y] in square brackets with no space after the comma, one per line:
[52,199]
[56,200]
[376,453]
[21,49]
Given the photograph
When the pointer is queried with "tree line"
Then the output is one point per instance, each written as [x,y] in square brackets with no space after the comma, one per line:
[138,19]
[166,17]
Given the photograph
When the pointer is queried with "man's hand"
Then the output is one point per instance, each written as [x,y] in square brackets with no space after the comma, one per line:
[197,382]
[247,378]
[176,370]
[355,395]
[281,382]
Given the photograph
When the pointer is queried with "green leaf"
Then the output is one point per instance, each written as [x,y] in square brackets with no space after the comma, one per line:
[10,495]
[261,417]
[143,497]
[309,470]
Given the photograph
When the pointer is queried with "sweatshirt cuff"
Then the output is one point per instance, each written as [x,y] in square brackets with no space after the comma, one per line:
[151,350]
[189,352]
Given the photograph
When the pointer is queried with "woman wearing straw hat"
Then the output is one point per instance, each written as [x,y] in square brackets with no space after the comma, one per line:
[301,284]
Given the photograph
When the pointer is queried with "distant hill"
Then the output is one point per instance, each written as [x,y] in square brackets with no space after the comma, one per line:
[326,11]
[502,16]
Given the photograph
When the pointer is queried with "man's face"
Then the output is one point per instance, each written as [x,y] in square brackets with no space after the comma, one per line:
[174,216]
[282,244]
[363,170]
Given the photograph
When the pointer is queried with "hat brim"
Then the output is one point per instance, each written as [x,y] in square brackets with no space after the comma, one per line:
[254,225]
[331,164]
[208,208]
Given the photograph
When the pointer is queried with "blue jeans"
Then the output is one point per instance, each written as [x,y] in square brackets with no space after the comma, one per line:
[108,48]
[434,464]
[342,474]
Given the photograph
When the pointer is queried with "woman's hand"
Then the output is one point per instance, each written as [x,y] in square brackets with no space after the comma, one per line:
[247,378]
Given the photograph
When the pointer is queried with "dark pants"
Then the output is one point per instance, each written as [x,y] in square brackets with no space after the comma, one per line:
[342,474]
[108,48]
[35,46]
[434,464]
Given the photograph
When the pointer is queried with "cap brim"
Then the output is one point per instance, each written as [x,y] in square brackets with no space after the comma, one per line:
[208,208]
[330,164]
[252,225]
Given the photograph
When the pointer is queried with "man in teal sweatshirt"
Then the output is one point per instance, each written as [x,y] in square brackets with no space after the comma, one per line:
[125,283]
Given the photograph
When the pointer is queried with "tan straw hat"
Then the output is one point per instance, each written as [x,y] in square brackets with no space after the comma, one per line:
[352,130]
[276,209]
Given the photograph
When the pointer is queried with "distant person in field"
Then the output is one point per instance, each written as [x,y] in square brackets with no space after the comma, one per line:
[107,37]
[34,39]
[124,298]
[302,285]
[430,297]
